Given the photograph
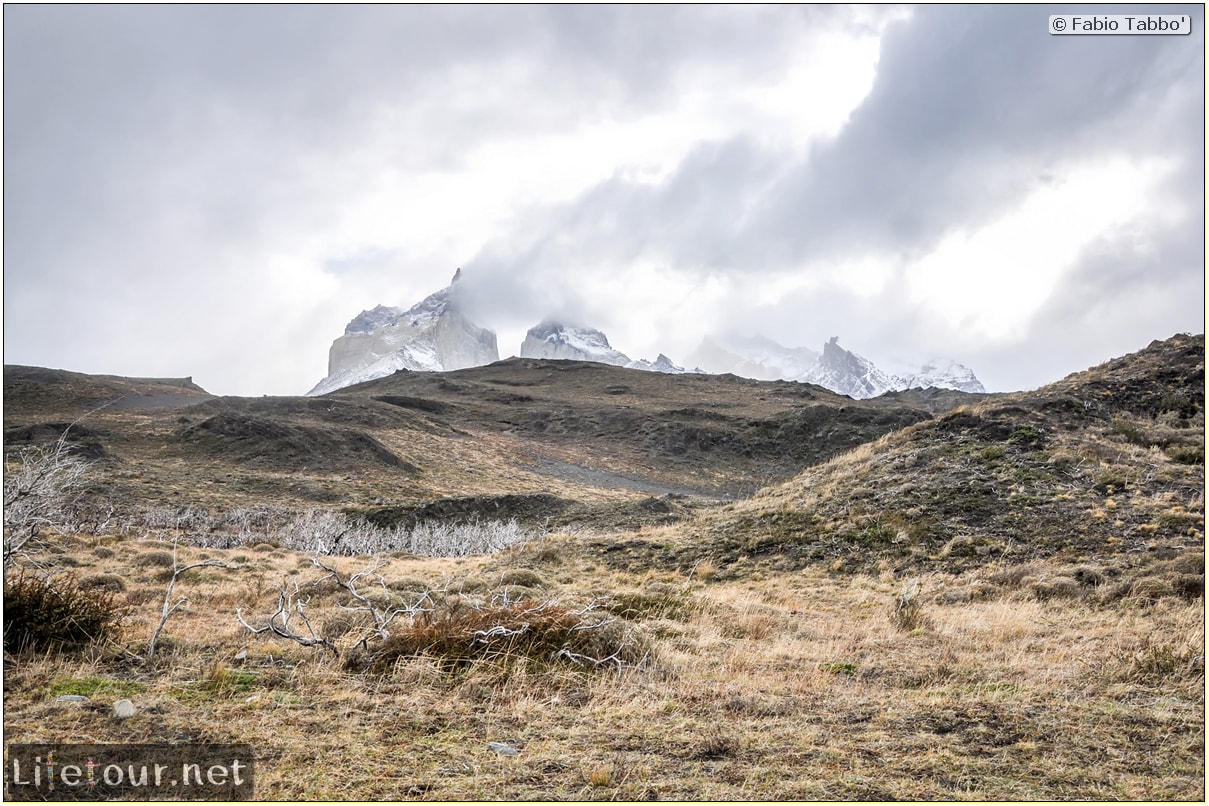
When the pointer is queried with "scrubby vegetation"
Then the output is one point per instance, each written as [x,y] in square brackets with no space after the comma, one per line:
[1005,601]
[57,612]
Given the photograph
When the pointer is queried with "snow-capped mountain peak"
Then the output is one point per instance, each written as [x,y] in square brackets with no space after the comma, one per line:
[433,335]
[836,368]
[552,339]
[848,373]
[942,373]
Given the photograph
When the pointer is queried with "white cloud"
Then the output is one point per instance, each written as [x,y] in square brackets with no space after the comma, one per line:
[989,282]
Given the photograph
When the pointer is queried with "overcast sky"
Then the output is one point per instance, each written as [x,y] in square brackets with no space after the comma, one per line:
[216,191]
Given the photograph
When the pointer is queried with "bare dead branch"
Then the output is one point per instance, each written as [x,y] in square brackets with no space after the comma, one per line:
[289,604]
[171,607]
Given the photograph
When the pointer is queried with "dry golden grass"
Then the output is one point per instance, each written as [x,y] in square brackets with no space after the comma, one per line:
[780,686]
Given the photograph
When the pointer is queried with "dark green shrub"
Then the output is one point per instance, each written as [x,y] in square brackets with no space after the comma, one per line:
[56,613]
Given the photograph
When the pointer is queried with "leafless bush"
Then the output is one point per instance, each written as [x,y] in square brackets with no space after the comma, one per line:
[907,614]
[41,493]
[320,531]
[290,619]
[291,609]
[330,533]
[454,629]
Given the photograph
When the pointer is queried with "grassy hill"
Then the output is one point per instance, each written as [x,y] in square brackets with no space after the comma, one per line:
[719,589]
[593,436]
[1104,465]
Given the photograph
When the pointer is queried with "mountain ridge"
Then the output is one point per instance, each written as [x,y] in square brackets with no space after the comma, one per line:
[435,335]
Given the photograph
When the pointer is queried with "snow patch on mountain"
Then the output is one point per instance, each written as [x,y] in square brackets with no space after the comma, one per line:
[371,320]
[661,364]
[940,373]
[555,340]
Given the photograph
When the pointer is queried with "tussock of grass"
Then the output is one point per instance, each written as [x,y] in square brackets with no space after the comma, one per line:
[90,685]
[655,601]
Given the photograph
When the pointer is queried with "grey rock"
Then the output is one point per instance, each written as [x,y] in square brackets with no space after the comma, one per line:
[503,749]
[123,709]
[71,698]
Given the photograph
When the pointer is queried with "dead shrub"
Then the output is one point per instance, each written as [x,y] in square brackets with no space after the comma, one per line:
[907,613]
[542,631]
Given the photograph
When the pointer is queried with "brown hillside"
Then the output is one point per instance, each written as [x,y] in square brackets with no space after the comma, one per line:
[1103,467]
[536,440]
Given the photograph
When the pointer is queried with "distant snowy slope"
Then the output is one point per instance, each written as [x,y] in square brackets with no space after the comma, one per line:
[942,373]
[836,368]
